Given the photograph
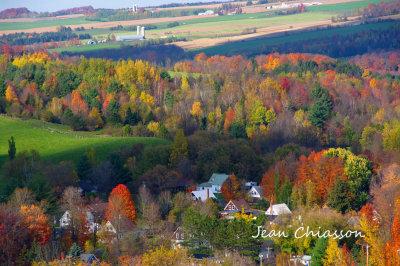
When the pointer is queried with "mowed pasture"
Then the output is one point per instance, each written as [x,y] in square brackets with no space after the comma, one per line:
[54,146]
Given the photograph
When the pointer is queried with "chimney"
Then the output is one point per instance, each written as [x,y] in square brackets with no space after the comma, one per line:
[208,194]
[271,211]
[138,30]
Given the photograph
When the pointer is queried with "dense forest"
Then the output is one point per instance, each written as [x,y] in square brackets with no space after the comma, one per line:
[313,131]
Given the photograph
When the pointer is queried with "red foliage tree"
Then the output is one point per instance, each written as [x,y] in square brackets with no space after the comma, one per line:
[230,188]
[120,203]
[285,83]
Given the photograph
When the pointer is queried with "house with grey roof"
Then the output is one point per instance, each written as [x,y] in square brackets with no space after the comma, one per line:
[256,192]
[214,184]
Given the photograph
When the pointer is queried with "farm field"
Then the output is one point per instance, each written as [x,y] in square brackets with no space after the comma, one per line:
[253,45]
[24,26]
[50,25]
[58,147]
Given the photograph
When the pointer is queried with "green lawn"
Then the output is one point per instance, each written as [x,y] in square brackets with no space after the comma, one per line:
[53,146]
[42,23]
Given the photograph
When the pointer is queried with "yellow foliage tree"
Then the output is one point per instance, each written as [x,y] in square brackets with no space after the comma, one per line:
[165,256]
[334,254]
[146,98]
[154,127]
[11,95]
[196,110]
[95,120]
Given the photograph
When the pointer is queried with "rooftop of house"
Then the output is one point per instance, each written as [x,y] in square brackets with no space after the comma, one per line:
[215,179]
[278,209]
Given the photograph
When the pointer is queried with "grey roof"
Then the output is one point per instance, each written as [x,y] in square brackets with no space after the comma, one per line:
[129,37]
[215,179]
[88,258]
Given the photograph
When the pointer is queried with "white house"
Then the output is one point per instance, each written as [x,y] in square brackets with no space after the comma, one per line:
[202,195]
[214,184]
[65,221]
[178,237]
[256,192]
[278,209]
[118,228]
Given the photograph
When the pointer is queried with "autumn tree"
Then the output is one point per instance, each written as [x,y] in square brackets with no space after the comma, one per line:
[179,148]
[13,235]
[229,117]
[369,225]
[94,120]
[165,256]
[196,111]
[11,95]
[230,189]
[77,228]
[121,203]
[334,254]
[37,223]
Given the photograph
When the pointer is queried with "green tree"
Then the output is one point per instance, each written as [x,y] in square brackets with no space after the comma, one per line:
[11,148]
[237,130]
[285,191]
[338,197]
[179,148]
[75,251]
[131,118]
[319,251]
[127,131]
[83,168]
[113,110]
[322,107]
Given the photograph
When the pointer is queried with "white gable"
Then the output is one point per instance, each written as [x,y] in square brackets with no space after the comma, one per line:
[202,194]
[278,209]
[255,192]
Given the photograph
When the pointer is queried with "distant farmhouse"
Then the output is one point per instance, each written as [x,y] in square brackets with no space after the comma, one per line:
[140,35]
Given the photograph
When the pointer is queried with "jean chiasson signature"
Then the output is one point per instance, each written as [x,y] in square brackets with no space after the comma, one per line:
[306,232]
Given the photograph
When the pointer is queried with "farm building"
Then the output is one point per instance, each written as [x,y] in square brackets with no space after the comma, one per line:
[140,35]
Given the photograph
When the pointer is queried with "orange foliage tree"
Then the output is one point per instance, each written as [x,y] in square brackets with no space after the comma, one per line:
[230,115]
[120,203]
[230,188]
[322,171]
[37,223]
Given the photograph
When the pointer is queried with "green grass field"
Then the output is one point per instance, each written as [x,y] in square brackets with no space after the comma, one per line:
[253,45]
[53,146]
[344,7]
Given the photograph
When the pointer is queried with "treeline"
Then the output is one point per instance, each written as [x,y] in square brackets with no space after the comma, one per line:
[382,9]
[23,12]
[155,51]
[32,38]
[119,14]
